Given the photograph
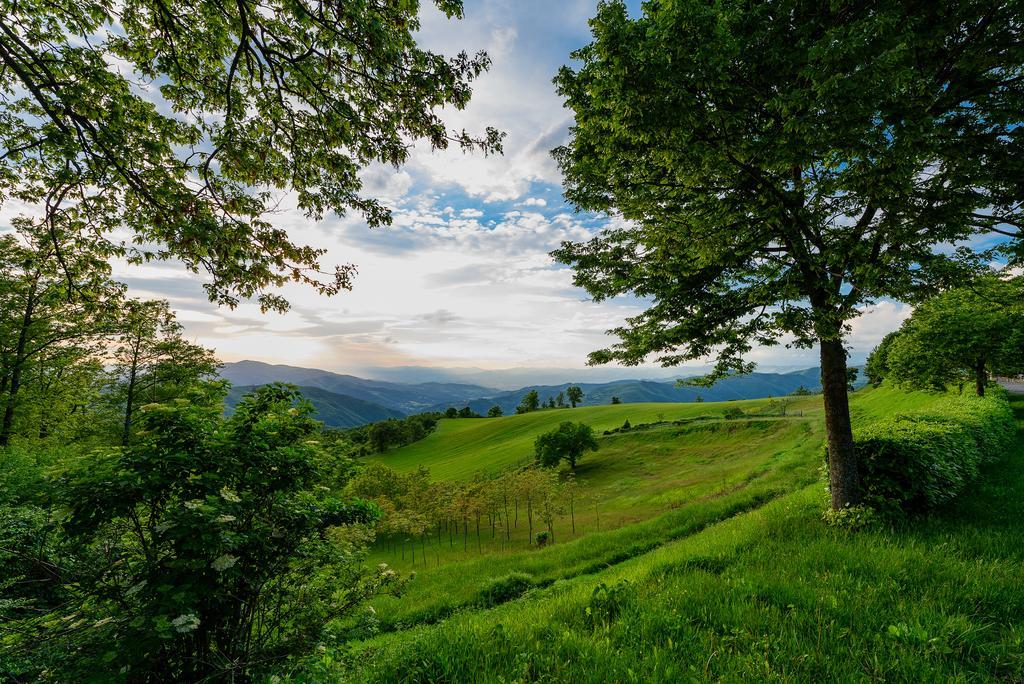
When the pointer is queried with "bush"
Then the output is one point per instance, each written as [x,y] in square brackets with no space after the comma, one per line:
[914,463]
[543,538]
[504,588]
[733,413]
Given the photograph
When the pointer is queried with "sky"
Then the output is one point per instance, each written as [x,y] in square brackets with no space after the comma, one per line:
[463,277]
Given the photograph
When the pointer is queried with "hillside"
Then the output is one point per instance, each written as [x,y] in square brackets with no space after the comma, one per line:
[461,447]
[751,386]
[700,590]
[404,398]
[334,410]
[409,398]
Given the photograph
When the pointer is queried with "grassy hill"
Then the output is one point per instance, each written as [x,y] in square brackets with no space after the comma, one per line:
[459,448]
[725,572]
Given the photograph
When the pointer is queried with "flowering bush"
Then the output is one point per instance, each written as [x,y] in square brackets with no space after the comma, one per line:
[210,547]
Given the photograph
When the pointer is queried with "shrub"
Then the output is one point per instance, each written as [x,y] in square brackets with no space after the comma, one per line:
[504,588]
[543,538]
[732,413]
[916,462]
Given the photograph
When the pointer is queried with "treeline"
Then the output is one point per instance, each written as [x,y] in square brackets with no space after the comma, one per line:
[78,357]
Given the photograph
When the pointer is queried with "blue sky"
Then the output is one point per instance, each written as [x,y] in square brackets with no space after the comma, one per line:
[463,277]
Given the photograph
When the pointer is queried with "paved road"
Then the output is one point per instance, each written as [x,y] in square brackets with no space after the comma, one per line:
[1016,385]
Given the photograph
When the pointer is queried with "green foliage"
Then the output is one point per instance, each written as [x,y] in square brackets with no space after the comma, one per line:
[606,603]
[733,413]
[494,412]
[252,100]
[877,367]
[529,403]
[775,176]
[210,545]
[575,394]
[507,587]
[961,335]
[801,391]
[616,400]
[542,538]
[569,441]
[395,432]
[919,461]
[852,518]
[625,425]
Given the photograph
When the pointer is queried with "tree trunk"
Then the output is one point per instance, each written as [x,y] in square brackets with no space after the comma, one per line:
[126,432]
[19,361]
[980,377]
[844,483]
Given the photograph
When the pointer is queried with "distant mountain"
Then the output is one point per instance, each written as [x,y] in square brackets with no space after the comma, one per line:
[513,378]
[750,386]
[334,410]
[401,397]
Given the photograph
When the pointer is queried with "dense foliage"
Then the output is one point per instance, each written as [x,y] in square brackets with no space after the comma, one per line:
[210,548]
[963,335]
[568,442]
[919,461]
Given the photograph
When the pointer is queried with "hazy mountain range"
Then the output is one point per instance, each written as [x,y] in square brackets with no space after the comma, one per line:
[347,401]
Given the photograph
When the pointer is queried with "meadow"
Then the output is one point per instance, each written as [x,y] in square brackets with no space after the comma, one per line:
[744,585]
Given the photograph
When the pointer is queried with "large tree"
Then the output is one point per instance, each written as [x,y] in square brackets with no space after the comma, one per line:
[186,121]
[775,167]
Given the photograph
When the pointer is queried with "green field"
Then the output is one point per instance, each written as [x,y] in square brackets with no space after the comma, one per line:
[460,448]
[728,575]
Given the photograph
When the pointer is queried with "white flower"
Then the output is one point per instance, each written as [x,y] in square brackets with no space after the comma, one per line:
[193,504]
[224,562]
[229,495]
[185,623]
[224,519]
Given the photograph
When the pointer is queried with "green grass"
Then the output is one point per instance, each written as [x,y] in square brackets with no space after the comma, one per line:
[729,589]
[458,449]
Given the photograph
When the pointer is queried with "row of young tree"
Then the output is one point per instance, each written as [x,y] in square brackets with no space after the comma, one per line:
[449,512]
[78,357]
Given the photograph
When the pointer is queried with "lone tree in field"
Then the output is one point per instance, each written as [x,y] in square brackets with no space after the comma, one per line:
[569,441]
[494,412]
[776,167]
[182,123]
[575,394]
[962,335]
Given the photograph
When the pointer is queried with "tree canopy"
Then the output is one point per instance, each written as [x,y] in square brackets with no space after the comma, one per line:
[776,167]
[186,121]
[568,442]
[963,335]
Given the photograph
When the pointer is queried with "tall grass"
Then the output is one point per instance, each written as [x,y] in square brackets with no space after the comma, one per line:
[771,595]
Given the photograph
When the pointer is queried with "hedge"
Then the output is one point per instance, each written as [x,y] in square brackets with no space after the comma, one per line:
[915,462]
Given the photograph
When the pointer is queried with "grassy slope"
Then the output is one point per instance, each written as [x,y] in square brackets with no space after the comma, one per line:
[771,594]
[458,449]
